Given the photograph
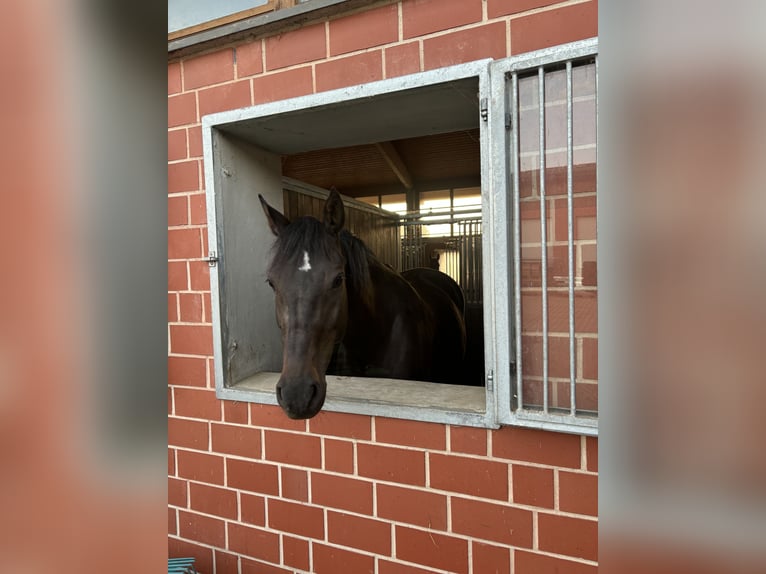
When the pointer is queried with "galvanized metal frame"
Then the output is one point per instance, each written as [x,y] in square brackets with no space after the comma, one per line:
[499,140]
[504,137]
[260,388]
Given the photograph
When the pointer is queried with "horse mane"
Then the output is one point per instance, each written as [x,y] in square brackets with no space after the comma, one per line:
[358,259]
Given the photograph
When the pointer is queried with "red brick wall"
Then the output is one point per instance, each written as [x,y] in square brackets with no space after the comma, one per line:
[250,489]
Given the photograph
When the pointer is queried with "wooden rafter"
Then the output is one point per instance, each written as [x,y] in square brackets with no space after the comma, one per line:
[395,162]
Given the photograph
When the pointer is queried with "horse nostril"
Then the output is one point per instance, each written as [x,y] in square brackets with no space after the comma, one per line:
[314,390]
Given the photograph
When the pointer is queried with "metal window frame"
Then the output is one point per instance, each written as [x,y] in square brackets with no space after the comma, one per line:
[500,266]
[506,259]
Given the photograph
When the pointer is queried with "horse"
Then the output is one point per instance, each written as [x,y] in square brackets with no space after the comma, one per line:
[331,289]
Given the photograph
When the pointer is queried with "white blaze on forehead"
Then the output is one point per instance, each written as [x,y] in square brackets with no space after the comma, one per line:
[306,263]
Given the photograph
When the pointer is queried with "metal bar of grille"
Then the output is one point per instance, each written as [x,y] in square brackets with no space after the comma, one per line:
[516,235]
[570,244]
[543,234]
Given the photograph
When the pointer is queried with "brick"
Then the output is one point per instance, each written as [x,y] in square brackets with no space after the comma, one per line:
[273,416]
[176,144]
[570,536]
[490,559]
[182,109]
[296,552]
[339,492]
[283,85]
[235,412]
[249,59]
[174,78]
[590,358]
[211,500]
[252,476]
[177,492]
[420,17]
[295,484]
[191,307]
[184,243]
[171,462]
[591,453]
[199,275]
[391,464]
[495,522]
[172,521]
[252,509]
[339,456]
[178,279]
[198,209]
[225,97]
[178,213]
[532,563]
[578,493]
[253,542]
[191,340]
[239,441]
[225,562]
[349,71]
[181,548]
[411,433]
[386,567]
[200,467]
[172,313]
[197,404]
[360,533]
[201,528]
[330,560]
[402,59]
[194,138]
[341,424]
[207,302]
[432,549]
[554,27]
[364,30]
[296,518]
[417,507]
[186,371]
[187,434]
[300,450]
[183,176]
[256,567]
[468,440]
[533,486]
[464,46]
[476,477]
[538,446]
[209,69]
[497,8]
[296,47]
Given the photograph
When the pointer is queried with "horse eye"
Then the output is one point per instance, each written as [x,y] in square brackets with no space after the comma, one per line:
[270,283]
[337,281]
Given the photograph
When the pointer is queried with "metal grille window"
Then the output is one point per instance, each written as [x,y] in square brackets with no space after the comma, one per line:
[526,256]
[549,103]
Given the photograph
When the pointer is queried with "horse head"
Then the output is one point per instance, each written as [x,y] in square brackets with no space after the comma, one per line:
[307,274]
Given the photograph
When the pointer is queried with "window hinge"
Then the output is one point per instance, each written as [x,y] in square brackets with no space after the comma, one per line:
[484,109]
[212,259]
[490,381]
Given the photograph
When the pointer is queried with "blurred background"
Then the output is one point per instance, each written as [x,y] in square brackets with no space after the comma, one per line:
[682,277]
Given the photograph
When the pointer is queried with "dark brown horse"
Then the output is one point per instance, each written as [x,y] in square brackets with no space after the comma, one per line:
[331,288]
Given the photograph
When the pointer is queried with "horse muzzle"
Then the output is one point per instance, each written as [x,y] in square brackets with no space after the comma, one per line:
[300,398]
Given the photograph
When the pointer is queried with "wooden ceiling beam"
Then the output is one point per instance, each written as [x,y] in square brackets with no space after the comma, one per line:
[396,163]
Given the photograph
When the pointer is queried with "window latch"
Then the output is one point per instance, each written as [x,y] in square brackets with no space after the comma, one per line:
[484,109]
[212,259]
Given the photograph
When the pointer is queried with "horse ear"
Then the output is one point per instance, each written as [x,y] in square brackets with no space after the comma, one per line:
[334,215]
[277,221]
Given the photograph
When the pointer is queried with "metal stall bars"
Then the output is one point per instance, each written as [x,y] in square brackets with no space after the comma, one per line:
[556,89]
